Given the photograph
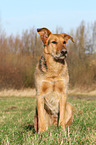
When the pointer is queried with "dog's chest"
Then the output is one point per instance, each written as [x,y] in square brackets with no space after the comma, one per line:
[51,103]
[52,91]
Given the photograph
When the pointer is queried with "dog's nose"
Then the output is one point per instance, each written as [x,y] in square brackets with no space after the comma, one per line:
[63,52]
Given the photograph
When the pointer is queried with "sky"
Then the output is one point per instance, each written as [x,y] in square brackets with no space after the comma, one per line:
[19,15]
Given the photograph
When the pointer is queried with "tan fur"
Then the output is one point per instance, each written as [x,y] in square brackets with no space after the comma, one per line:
[51,78]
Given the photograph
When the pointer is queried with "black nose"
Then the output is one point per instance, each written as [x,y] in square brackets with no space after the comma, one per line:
[63,52]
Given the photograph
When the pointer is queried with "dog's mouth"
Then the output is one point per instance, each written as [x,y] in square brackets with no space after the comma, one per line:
[61,56]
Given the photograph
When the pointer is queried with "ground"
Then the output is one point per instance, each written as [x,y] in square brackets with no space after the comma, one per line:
[17,122]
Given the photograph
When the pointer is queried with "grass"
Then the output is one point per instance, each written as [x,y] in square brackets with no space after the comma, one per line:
[16,124]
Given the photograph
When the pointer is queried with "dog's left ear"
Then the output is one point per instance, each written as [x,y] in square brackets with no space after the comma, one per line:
[44,34]
[67,37]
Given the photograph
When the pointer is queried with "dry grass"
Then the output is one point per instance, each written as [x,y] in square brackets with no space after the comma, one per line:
[80,92]
[18,93]
[32,92]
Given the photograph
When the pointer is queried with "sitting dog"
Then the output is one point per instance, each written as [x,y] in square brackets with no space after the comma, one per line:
[51,79]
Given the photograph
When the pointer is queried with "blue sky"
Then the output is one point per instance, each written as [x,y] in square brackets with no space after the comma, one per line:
[19,15]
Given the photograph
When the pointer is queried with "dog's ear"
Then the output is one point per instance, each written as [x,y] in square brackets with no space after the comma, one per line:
[44,34]
[67,37]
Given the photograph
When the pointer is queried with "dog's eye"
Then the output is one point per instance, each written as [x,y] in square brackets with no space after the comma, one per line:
[54,42]
[64,42]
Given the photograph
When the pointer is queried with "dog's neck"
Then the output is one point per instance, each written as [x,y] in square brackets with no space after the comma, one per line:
[52,65]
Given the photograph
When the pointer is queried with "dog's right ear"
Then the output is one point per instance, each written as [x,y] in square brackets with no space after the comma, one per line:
[44,34]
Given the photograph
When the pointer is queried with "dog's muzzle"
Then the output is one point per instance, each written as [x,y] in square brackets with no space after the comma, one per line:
[64,52]
[61,55]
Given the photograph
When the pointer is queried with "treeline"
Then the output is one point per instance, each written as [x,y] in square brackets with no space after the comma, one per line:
[19,55]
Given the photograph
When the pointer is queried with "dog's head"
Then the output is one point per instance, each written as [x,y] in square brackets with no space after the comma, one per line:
[55,44]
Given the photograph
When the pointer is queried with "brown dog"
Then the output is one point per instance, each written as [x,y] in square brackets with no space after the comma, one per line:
[52,79]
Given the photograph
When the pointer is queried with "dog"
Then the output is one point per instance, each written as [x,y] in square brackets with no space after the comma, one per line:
[51,80]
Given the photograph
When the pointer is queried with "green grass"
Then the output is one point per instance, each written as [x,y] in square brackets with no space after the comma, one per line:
[16,124]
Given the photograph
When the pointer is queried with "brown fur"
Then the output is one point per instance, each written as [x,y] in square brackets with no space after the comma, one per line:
[51,78]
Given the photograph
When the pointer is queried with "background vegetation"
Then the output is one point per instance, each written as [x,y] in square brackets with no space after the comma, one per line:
[19,55]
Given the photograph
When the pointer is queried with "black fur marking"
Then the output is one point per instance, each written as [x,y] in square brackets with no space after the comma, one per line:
[60,61]
[42,64]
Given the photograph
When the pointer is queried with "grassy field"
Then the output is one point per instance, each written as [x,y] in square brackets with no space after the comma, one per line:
[17,116]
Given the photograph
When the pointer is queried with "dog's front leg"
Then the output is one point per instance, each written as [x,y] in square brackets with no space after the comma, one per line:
[62,111]
[40,108]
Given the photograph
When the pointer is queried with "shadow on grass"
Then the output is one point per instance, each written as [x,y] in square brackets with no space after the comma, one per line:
[29,127]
